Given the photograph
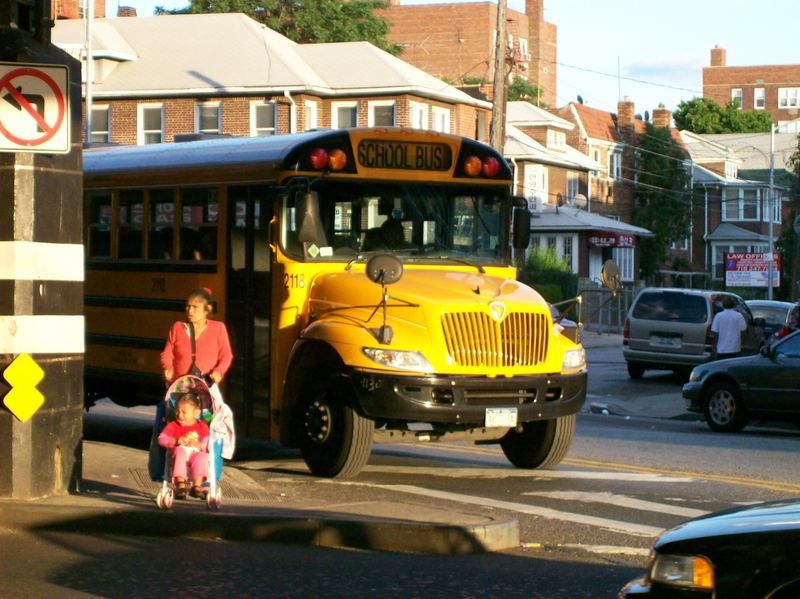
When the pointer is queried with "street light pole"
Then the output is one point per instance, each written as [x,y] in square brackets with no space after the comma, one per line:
[770,206]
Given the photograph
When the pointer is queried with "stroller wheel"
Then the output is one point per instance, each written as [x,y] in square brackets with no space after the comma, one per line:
[168,500]
[215,499]
[161,500]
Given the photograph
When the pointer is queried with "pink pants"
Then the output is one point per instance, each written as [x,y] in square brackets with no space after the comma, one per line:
[197,461]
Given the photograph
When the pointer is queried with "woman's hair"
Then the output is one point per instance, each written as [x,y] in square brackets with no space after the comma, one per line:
[204,293]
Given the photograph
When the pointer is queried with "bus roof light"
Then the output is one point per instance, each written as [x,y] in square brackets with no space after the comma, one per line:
[318,159]
[337,159]
[491,166]
[472,166]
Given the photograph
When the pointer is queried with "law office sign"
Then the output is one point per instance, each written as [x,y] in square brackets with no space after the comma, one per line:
[743,269]
[34,108]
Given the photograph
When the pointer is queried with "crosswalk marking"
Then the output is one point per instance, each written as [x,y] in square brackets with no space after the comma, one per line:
[620,501]
[640,530]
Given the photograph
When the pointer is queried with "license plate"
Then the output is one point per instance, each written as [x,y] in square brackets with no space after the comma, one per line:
[665,341]
[501,417]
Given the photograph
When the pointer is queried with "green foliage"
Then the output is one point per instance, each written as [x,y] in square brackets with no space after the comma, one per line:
[473,80]
[320,21]
[545,260]
[521,89]
[701,115]
[661,195]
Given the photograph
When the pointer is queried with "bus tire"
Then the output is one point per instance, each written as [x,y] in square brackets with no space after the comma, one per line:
[541,444]
[337,441]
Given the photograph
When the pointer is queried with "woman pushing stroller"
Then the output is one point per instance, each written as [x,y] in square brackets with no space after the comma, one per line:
[196,357]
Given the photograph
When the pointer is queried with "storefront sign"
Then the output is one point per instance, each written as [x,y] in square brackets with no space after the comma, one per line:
[611,239]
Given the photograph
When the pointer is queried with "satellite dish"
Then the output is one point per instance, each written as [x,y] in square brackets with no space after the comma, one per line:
[609,276]
[579,201]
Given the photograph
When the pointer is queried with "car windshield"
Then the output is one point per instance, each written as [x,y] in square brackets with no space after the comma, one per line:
[425,223]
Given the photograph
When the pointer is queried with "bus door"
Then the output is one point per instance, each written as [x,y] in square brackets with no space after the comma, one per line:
[248,308]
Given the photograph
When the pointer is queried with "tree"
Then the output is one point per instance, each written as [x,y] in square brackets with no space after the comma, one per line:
[661,195]
[521,89]
[702,115]
[319,21]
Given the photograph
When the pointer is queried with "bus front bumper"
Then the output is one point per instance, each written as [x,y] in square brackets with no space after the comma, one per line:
[465,400]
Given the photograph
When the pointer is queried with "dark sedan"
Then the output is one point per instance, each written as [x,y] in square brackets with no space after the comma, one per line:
[764,386]
[744,553]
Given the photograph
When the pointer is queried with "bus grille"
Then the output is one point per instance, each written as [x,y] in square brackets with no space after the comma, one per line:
[475,339]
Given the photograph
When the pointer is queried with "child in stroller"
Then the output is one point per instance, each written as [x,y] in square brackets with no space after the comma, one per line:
[193,428]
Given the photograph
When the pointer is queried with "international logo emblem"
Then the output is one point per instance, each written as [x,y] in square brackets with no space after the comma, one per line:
[497,310]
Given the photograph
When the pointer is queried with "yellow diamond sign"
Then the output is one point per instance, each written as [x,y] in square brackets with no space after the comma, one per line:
[23,374]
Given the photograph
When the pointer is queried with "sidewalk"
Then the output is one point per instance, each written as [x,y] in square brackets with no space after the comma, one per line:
[117,497]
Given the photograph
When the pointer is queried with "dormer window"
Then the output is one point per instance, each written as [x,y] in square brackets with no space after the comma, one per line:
[556,140]
[731,170]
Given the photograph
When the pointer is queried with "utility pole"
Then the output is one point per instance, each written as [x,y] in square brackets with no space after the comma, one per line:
[497,133]
[771,207]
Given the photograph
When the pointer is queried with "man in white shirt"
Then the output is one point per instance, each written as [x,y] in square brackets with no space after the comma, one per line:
[728,327]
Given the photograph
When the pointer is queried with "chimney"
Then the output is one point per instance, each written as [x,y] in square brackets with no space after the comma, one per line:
[717,56]
[662,118]
[625,113]
[126,11]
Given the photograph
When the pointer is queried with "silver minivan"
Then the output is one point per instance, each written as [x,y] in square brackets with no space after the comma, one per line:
[670,329]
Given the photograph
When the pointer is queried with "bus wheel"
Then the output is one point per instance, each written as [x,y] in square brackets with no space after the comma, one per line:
[337,441]
[541,444]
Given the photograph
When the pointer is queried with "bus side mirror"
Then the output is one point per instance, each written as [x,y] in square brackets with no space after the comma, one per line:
[311,230]
[521,224]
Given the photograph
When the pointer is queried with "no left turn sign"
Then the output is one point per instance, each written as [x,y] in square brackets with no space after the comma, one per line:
[34,108]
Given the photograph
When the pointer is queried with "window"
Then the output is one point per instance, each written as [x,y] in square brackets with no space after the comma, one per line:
[441,119]
[161,224]
[131,218]
[523,49]
[731,170]
[207,117]
[759,99]
[344,115]
[615,166]
[535,182]
[788,97]
[198,236]
[150,120]
[98,220]
[262,119]
[624,259]
[419,115]
[737,96]
[381,114]
[775,208]
[480,126]
[100,130]
[740,204]
[556,139]
[567,252]
[311,115]
[572,186]
[750,204]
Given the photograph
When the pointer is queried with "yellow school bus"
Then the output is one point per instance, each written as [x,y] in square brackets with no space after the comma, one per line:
[365,279]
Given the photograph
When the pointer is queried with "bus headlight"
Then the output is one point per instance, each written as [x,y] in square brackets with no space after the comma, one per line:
[402,360]
[688,571]
[574,359]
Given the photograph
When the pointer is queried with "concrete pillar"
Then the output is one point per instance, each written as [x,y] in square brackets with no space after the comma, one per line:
[41,277]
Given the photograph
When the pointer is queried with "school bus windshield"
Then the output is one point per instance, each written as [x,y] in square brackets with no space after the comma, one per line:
[338,221]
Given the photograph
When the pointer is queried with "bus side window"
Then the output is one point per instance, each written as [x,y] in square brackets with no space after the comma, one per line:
[131,217]
[198,235]
[99,224]
[160,230]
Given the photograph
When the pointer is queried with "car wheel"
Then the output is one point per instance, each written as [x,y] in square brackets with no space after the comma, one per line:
[635,370]
[723,408]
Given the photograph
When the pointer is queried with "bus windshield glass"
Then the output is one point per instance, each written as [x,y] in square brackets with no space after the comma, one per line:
[428,223]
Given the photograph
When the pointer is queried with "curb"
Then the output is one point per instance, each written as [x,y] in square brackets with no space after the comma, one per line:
[258,525]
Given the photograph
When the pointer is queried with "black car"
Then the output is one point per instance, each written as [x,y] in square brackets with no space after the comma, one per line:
[764,386]
[744,553]
[774,313]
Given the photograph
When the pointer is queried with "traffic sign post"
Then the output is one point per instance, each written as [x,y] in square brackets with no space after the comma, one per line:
[34,108]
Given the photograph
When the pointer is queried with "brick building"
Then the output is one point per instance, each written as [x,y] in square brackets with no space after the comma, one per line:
[457,41]
[774,88]
[158,77]
[73,9]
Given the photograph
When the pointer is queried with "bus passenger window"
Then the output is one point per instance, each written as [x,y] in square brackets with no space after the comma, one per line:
[131,216]
[162,219]
[198,236]
[99,224]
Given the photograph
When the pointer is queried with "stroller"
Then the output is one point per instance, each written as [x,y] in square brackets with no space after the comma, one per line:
[216,415]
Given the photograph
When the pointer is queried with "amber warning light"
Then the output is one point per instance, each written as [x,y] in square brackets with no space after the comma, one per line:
[334,160]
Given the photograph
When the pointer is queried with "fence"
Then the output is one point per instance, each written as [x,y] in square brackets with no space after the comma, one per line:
[604,313]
